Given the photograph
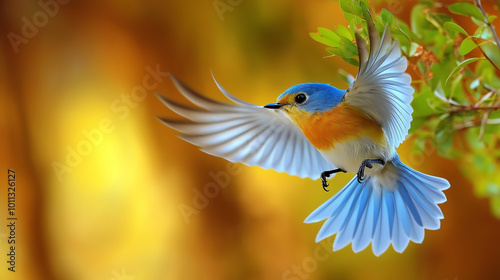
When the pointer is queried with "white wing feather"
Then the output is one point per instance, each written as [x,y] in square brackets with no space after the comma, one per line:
[382,88]
[246,133]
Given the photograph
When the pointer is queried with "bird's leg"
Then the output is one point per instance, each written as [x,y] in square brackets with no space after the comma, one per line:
[367,163]
[326,174]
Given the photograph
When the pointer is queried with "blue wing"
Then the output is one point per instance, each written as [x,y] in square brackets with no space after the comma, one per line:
[245,133]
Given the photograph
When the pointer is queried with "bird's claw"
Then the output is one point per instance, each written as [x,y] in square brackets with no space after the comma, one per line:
[361,171]
[325,184]
[326,174]
[364,164]
[361,174]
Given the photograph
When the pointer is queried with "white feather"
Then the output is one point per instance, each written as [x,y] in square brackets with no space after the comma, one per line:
[246,133]
[382,88]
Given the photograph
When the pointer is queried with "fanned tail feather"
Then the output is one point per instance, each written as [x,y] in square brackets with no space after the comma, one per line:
[367,212]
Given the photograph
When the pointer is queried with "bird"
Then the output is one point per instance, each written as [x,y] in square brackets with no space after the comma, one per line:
[315,130]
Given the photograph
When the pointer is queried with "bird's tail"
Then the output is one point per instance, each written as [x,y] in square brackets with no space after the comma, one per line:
[393,207]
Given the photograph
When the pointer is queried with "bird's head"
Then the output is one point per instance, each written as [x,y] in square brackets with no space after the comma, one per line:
[304,100]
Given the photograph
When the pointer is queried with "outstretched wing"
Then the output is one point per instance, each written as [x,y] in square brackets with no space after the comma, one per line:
[382,88]
[245,133]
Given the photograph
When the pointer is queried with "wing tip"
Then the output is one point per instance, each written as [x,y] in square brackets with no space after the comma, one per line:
[168,122]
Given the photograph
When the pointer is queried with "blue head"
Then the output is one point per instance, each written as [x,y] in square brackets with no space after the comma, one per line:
[309,97]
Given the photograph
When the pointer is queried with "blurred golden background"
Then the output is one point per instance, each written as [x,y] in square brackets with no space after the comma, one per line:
[105,191]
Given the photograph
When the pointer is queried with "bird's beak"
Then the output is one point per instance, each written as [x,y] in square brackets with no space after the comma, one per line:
[275,105]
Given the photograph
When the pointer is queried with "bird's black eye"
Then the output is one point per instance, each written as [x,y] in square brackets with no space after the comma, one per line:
[300,98]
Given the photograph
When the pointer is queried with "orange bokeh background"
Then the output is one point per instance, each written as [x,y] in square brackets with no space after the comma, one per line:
[116,211]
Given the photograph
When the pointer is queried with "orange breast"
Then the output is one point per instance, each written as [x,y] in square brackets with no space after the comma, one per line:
[337,125]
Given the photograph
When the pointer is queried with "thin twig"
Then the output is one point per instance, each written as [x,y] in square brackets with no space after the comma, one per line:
[484,121]
[476,123]
[470,108]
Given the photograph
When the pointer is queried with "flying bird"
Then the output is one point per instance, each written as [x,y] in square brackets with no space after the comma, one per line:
[316,130]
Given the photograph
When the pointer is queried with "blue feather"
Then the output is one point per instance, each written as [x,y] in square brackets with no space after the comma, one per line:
[321,97]
[364,212]
[364,229]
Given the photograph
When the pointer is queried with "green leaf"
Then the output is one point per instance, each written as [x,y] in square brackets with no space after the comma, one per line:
[343,52]
[366,10]
[451,26]
[467,46]
[318,38]
[348,47]
[351,61]
[327,33]
[326,37]
[387,17]
[462,65]
[478,22]
[491,18]
[466,9]
[492,52]
[351,7]
[343,31]
[335,51]
[363,3]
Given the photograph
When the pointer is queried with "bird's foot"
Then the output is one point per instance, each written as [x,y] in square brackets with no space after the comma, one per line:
[367,163]
[326,174]
[324,182]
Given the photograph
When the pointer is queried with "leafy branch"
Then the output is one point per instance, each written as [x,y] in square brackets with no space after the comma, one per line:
[455,76]
[487,21]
